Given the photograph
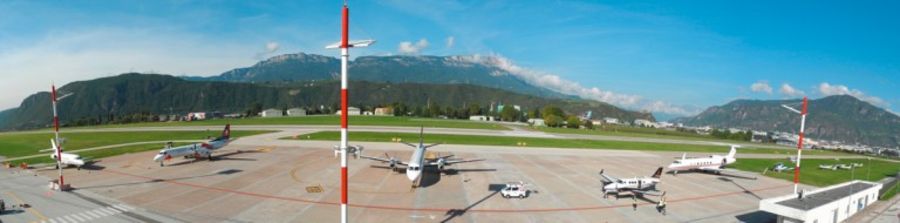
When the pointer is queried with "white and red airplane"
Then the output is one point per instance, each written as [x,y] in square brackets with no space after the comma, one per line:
[197,150]
[67,159]
[713,163]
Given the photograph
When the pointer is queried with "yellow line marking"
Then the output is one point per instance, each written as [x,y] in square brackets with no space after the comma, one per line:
[31,210]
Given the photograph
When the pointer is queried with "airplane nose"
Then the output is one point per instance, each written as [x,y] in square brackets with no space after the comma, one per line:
[157,158]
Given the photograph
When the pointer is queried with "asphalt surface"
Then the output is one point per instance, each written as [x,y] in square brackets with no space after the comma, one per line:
[28,198]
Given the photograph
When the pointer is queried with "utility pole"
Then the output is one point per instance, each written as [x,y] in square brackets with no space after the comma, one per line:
[802,113]
[345,45]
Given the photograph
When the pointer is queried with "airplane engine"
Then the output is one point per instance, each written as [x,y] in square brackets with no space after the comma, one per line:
[440,163]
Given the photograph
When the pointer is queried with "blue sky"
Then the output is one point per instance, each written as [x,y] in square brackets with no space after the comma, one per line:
[673,57]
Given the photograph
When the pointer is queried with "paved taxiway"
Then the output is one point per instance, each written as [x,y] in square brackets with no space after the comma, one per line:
[279,180]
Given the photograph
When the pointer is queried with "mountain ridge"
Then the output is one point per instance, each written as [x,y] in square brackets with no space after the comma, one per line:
[838,117]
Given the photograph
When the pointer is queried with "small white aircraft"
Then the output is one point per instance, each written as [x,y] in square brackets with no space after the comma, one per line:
[845,166]
[638,186]
[68,159]
[197,150]
[779,167]
[828,167]
[714,163]
[418,161]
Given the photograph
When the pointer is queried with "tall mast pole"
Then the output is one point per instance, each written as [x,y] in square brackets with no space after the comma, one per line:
[345,56]
[57,143]
[800,147]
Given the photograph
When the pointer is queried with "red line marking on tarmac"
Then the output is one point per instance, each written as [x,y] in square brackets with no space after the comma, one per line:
[438,209]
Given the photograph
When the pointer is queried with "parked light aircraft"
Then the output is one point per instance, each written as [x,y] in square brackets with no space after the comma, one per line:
[638,186]
[197,150]
[68,159]
[781,167]
[713,163]
[418,161]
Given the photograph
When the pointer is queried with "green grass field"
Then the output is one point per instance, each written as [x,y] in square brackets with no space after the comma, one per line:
[812,175]
[327,120]
[638,132]
[541,142]
[15,145]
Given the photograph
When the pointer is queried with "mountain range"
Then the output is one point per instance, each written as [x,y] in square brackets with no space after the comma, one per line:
[162,94]
[838,117]
[390,69]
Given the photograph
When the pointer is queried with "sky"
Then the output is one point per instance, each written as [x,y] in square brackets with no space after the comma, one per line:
[672,58]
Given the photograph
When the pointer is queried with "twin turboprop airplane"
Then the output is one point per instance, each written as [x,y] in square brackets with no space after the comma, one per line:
[714,163]
[197,150]
[68,159]
[638,186]
[418,161]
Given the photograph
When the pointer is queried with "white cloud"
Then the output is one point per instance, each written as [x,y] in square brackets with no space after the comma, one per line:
[450,41]
[761,86]
[77,55]
[271,48]
[790,91]
[556,83]
[828,89]
[407,47]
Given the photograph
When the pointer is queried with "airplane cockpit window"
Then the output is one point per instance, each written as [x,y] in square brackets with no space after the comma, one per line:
[677,162]
[162,152]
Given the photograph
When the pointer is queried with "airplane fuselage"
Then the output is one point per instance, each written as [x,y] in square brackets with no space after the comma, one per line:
[197,150]
[711,162]
[416,164]
[69,159]
[630,184]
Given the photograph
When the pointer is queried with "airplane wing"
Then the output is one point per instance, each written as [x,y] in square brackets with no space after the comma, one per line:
[651,192]
[383,160]
[608,179]
[710,168]
[449,162]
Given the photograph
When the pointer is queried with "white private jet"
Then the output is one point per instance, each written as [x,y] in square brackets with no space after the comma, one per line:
[828,167]
[68,159]
[418,161]
[638,186]
[714,163]
[197,150]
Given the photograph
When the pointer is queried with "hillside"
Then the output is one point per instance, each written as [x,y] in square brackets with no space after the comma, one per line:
[839,117]
[386,69]
[159,94]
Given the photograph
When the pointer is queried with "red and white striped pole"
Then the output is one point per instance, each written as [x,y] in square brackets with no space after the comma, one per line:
[345,56]
[800,147]
[56,132]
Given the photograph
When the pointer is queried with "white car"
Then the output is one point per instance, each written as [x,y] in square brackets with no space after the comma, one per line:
[514,190]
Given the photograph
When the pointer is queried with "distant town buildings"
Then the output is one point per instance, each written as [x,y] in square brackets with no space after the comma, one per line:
[296,112]
[350,111]
[272,112]
[385,111]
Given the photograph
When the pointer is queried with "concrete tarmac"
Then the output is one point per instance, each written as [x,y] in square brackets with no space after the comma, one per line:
[272,180]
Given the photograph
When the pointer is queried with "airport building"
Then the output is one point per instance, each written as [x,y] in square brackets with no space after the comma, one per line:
[296,112]
[271,113]
[835,203]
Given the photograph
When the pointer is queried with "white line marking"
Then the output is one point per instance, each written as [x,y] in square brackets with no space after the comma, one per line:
[126,206]
[113,210]
[68,218]
[123,210]
[85,216]
[76,217]
[104,211]
[54,221]
[92,214]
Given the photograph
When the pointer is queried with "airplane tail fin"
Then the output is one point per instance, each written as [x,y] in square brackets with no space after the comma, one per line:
[733,151]
[683,156]
[422,136]
[658,173]
[227,132]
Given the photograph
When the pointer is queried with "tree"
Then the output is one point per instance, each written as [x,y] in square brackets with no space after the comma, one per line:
[588,124]
[509,114]
[550,110]
[474,109]
[534,113]
[573,122]
[553,121]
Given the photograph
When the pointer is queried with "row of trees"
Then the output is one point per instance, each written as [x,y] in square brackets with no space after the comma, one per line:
[727,134]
